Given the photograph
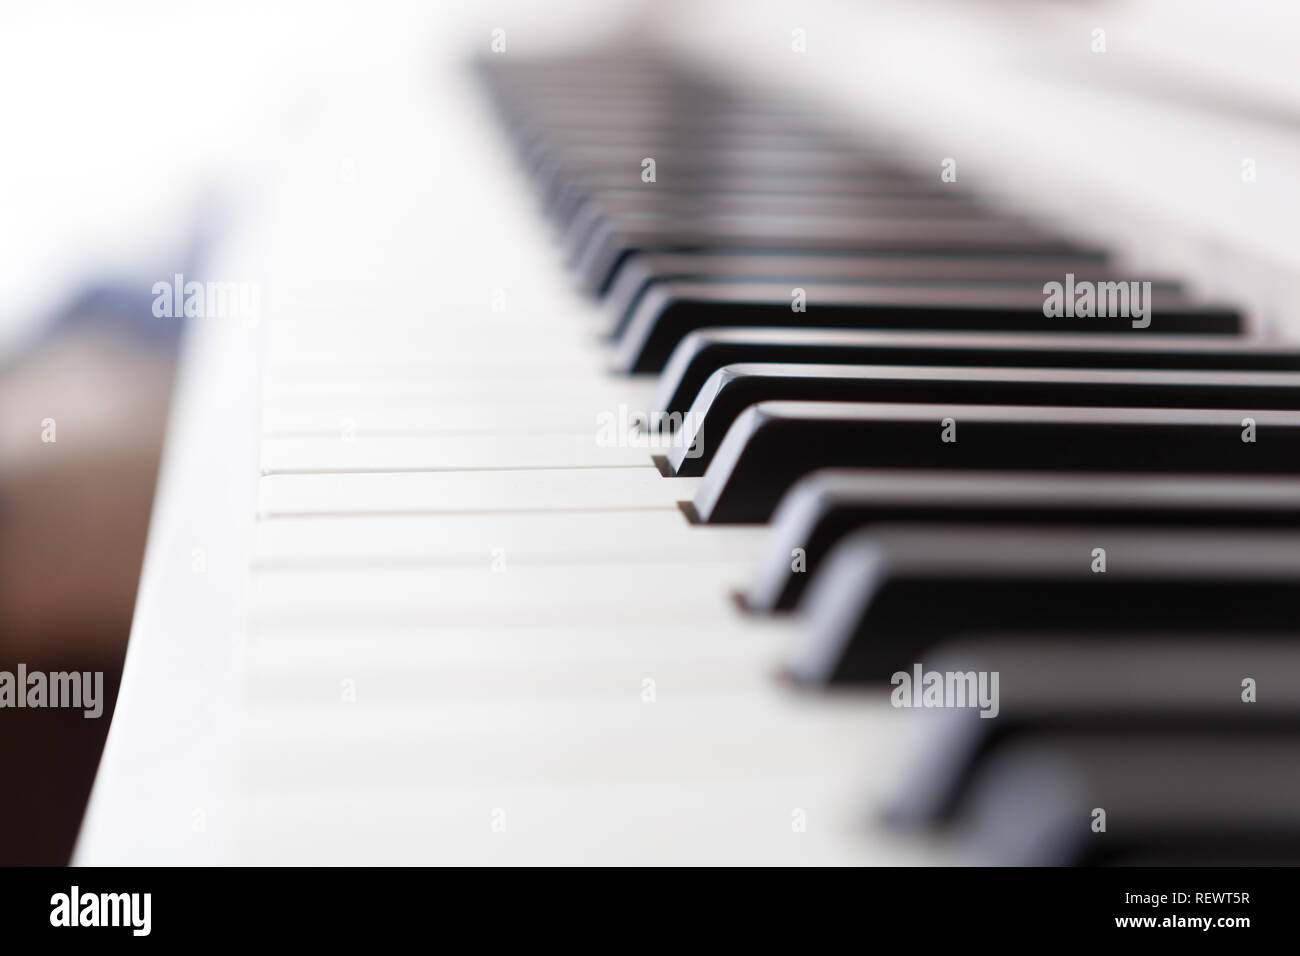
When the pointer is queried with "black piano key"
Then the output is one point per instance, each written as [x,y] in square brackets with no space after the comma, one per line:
[641,271]
[703,352]
[649,103]
[886,597]
[689,159]
[1194,801]
[583,168]
[774,155]
[827,506]
[547,129]
[564,196]
[773,444]
[668,312]
[610,245]
[681,116]
[1175,684]
[557,130]
[673,110]
[612,212]
[733,388]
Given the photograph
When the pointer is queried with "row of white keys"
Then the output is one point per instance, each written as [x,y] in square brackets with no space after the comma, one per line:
[475,638]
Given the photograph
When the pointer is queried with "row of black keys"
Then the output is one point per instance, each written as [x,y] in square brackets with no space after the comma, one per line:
[946,460]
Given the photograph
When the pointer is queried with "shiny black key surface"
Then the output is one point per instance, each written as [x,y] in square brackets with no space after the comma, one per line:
[887,596]
[668,312]
[1206,800]
[1176,684]
[611,245]
[703,352]
[774,444]
[827,506]
[641,271]
[733,388]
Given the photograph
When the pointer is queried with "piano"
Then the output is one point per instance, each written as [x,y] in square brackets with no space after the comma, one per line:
[659,449]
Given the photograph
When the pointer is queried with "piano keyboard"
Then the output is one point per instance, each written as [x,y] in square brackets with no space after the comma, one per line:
[638,565]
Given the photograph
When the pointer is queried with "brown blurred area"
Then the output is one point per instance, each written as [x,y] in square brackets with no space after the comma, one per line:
[74,514]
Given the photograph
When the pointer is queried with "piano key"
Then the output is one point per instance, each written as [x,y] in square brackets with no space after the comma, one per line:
[566,191]
[471,539]
[591,391]
[519,417]
[594,223]
[886,597]
[1212,800]
[456,778]
[1172,684]
[289,652]
[755,143]
[773,444]
[600,140]
[597,680]
[734,388]
[657,823]
[679,113]
[634,78]
[641,270]
[565,197]
[771,163]
[288,456]
[661,130]
[532,738]
[671,117]
[823,508]
[615,211]
[688,159]
[669,311]
[662,105]
[610,246]
[553,489]
[380,365]
[634,204]
[540,593]
[703,352]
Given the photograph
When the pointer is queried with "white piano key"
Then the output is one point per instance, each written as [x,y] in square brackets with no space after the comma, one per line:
[333,364]
[464,330]
[596,393]
[445,453]
[449,492]
[765,778]
[469,539]
[519,417]
[321,652]
[740,821]
[594,679]
[502,740]
[602,590]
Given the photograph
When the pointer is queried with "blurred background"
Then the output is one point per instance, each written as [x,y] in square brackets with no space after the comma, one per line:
[136,132]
